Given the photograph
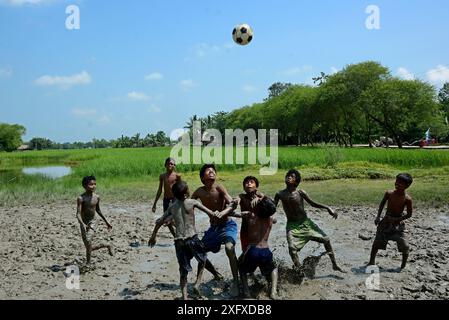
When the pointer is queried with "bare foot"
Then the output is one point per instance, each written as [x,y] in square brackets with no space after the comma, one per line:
[218,277]
[196,290]
[274,296]
[337,268]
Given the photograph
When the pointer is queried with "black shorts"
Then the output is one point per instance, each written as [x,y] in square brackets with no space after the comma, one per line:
[186,250]
[382,239]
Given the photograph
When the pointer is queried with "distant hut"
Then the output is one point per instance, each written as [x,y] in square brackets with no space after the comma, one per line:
[24,147]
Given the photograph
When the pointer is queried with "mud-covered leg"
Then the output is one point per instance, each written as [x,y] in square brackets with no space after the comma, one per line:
[210,267]
[374,250]
[274,284]
[327,245]
[199,276]
[183,285]
[294,254]
[244,278]
[230,252]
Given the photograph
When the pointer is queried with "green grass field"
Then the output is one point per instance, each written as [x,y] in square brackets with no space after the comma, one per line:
[332,175]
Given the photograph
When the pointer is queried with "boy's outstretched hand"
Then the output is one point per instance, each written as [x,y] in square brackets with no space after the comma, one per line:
[332,213]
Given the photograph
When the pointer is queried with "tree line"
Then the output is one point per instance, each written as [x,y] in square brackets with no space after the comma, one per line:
[359,104]
[10,140]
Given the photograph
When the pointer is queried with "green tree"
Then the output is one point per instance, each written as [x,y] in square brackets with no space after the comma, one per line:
[162,139]
[340,94]
[40,143]
[276,89]
[443,98]
[401,106]
[11,136]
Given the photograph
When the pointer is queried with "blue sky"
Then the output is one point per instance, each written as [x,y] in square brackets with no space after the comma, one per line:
[144,66]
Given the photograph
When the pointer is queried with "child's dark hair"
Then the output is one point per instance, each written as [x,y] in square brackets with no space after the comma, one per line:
[250,178]
[297,176]
[205,167]
[179,190]
[266,208]
[87,179]
[406,178]
[168,160]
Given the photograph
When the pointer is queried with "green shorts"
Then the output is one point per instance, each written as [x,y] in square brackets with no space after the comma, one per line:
[299,233]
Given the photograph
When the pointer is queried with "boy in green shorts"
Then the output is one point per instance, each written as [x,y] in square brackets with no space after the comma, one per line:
[300,228]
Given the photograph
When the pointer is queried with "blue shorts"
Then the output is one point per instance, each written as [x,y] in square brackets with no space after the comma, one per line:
[188,249]
[254,258]
[220,234]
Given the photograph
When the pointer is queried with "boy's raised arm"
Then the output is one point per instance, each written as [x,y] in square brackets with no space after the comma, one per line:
[158,194]
[157,226]
[200,206]
[227,197]
[242,214]
[97,208]
[317,205]
[229,211]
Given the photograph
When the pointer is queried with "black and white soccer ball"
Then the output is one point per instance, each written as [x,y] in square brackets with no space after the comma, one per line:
[242,34]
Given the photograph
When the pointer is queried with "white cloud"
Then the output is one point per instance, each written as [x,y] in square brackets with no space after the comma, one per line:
[188,84]
[177,133]
[154,76]
[296,70]
[138,96]
[439,75]
[154,109]
[20,3]
[405,74]
[64,82]
[5,72]
[104,119]
[334,70]
[204,49]
[249,88]
[83,112]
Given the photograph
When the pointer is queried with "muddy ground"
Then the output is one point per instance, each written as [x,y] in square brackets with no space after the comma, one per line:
[38,243]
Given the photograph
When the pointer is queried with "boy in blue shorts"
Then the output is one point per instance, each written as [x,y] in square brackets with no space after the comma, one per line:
[223,230]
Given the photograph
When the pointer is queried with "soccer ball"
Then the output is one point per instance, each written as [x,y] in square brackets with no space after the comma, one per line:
[242,34]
